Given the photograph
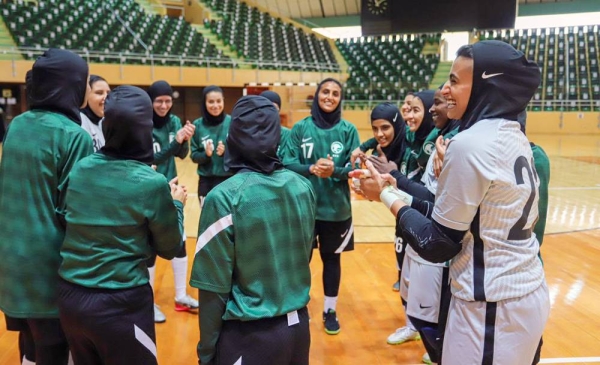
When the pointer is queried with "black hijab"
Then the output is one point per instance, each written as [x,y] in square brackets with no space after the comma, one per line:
[127,125]
[273,96]
[28,87]
[206,116]
[450,123]
[449,127]
[390,112]
[59,83]
[427,125]
[504,81]
[320,118]
[160,88]
[522,119]
[254,136]
[87,110]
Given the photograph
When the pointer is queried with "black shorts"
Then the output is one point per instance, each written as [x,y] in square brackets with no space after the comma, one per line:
[108,326]
[151,261]
[41,339]
[269,341]
[334,237]
[207,183]
[15,324]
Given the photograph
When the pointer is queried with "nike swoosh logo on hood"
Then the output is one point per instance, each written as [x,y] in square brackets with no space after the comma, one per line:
[506,96]
[487,76]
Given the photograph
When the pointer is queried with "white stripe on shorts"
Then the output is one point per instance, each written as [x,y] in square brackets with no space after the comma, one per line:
[346,239]
[239,362]
[213,230]
[145,340]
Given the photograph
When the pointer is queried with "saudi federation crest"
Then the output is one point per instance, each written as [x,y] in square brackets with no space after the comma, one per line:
[429,147]
[337,148]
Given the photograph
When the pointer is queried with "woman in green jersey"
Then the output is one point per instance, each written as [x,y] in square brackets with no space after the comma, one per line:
[208,142]
[118,211]
[285,132]
[170,140]
[319,148]
[253,251]
[420,136]
[40,148]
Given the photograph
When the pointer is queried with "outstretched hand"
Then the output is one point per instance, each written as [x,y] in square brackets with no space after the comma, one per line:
[178,192]
[357,153]
[371,187]
[220,148]
[381,163]
[185,133]
[209,148]
[441,146]
[323,168]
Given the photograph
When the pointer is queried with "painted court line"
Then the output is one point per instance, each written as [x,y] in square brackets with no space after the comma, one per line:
[566,360]
[575,188]
[554,188]
[570,360]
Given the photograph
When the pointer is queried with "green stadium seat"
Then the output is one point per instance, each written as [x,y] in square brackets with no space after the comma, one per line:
[90,26]
[255,35]
[381,66]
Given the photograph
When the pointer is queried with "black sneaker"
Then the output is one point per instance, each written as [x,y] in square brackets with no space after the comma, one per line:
[332,326]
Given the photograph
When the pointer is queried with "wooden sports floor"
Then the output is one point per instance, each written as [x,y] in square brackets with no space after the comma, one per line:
[369,310]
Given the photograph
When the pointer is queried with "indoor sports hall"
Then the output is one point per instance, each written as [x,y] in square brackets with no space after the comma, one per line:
[289,46]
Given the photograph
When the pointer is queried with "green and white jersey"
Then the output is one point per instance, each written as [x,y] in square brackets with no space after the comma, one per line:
[39,151]
[306,145]
[427,148]
[369,144]
[409,166]
[209,166]
[166,147]
[542,166]
[285,135]
[94,130]
[111,232]
[429,179]
[254,244]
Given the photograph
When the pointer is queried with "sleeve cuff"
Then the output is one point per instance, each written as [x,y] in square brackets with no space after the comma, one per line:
[389,195]
[448,223]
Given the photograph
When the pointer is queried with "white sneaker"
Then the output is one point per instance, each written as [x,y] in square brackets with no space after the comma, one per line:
[402,335]
[159,316]
[427,360]
[186,304]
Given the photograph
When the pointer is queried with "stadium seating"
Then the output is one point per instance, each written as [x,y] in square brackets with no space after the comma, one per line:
[117,30]
[386,68]
[380,68]
[568,60]
[255,35]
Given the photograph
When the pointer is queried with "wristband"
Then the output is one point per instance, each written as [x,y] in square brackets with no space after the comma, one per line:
[389,195]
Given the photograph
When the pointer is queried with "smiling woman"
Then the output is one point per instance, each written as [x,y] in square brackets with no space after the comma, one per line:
[457,90]
[420,134]
[208,144]
[92,114]
[389,130]
[319,148]
[330,94]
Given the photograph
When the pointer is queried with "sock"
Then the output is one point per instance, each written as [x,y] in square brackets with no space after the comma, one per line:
[180,265]
[27,362]
[330,303]
[409,323]
[152,274]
